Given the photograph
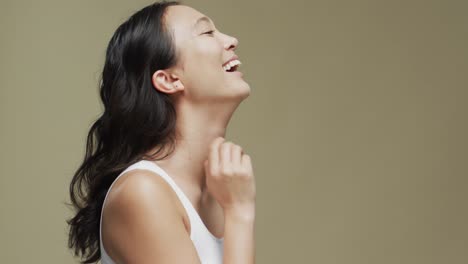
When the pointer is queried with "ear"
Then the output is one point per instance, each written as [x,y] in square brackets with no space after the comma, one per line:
[166,82]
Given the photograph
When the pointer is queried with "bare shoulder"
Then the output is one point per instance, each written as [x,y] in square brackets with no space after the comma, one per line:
[139,185]
[142,224]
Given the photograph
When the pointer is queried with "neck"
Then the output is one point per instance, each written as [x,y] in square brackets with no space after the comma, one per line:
[196,127]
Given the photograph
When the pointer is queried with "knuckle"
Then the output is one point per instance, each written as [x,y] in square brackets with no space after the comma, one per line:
[227,171]
[237,170]
[247,172]
[244,176]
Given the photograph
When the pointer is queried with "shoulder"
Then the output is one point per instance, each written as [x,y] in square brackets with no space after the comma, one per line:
[142,219]
[140,189]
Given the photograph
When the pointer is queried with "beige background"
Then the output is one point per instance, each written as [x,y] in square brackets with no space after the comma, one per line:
[356,124]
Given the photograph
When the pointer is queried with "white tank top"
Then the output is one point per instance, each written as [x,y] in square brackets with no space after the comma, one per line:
[209,248]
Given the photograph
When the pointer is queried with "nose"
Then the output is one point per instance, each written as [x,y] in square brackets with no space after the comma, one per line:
[231,43]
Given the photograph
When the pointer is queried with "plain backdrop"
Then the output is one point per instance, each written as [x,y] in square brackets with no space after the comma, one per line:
[356,124]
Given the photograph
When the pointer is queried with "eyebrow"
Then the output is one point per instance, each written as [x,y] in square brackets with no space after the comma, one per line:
[202,19]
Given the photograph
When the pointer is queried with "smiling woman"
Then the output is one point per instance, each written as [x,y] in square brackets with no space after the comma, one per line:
[159,183]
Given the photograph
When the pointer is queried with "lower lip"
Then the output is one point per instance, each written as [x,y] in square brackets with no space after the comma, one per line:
[236,73]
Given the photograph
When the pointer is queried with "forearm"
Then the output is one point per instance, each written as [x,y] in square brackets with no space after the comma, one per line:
[239,240]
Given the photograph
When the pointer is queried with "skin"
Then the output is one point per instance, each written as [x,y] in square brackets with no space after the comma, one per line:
[205,98]
[216,176]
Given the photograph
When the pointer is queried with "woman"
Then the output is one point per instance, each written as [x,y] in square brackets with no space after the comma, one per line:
[169,86]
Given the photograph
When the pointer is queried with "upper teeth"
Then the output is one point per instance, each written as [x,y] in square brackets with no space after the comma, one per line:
[231,64]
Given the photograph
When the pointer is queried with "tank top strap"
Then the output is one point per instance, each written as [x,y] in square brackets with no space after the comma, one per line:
[146,164]
[196,222]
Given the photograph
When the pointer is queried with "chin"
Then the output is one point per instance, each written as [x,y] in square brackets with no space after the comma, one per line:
[238,89]
[244,91]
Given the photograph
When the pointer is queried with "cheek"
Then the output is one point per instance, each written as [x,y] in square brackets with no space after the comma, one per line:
[209,51]
[204,61]
[203,68]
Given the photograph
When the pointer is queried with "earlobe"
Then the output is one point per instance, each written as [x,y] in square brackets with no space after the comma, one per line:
[178,85]
[177,82]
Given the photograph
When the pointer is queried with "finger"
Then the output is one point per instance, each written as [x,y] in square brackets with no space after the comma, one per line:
[226,155]
[236,155]
[213,161]
[246,162]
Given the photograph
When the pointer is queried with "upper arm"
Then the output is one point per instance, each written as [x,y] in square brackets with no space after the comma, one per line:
[144,224]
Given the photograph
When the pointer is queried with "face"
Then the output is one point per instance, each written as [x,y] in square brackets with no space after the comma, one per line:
[202,49]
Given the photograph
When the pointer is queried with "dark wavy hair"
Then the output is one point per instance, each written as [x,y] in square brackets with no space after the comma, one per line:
[137,118]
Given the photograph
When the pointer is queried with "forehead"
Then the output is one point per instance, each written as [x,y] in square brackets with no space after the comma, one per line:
[182,20]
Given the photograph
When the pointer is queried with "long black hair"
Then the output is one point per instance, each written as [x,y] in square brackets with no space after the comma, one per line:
[137,118]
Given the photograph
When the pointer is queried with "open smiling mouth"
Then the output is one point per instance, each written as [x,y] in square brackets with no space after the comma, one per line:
[232,66]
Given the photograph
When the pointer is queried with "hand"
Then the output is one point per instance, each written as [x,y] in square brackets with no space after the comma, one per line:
[229,176]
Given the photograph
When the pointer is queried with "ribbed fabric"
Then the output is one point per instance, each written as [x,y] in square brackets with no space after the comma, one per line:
[209,247]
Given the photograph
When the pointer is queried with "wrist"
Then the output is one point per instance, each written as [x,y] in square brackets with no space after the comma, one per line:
[241,213]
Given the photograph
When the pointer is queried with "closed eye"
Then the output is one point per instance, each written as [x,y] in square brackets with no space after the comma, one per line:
[209,32]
